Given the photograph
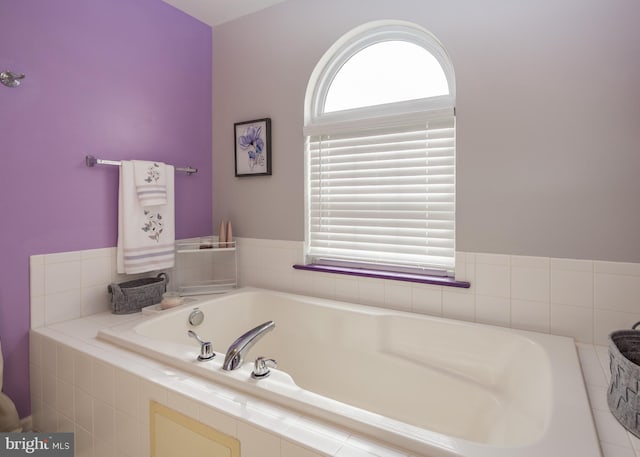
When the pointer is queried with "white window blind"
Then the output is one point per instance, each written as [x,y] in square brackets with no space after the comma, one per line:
[383,195]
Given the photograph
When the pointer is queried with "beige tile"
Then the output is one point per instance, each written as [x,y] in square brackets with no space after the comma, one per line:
[530,315]
[37,412]
[83,442]
[324,285]
[64,398]
[37,314]
[456,305]
[62,306]
[493,280]
[371,291]
[94,300]
[104,422]
[572,287]
[573,321]
[426,299]
[257,443]
[64,424]
[62,277]
[104,448]
[49,390]
[617,292]
[397,296]
[49,419]
[36,276]
[218,421]
[35,348]
[126,393]
[82,375]
[49,356]
[35,381]
[149,391]
[493,310]
[65,357]
[528,283]
[103,380]
[346,289]
[606,321]
[96,271]
[83,405]
[187,406]
[127,436]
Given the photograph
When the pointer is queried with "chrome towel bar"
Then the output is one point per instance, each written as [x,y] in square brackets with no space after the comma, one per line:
[91,161]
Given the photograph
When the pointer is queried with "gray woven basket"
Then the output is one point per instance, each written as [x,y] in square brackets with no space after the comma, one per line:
[623,395]
[131,296]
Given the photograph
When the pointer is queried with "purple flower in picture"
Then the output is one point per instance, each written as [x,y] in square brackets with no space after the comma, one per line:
[251,139]
[254,145]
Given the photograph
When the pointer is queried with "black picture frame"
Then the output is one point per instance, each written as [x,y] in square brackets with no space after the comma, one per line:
[252,147]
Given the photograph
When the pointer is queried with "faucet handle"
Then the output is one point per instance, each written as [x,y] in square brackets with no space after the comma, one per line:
[206,351]
[261,367]
[206,348]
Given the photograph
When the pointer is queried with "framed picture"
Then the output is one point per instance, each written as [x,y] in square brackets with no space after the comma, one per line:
[252,150]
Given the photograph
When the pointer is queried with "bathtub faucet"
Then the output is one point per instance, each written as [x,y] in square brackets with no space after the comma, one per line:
[239,348]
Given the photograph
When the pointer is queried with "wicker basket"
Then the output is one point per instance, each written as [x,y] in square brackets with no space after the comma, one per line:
[623,395]
[131,296]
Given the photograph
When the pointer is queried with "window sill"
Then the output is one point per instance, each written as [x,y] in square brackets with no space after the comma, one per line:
[423,279]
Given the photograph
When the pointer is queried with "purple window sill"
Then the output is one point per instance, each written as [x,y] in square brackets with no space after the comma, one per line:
[423,279]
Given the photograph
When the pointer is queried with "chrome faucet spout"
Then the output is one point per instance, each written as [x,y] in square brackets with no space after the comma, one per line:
[240,347]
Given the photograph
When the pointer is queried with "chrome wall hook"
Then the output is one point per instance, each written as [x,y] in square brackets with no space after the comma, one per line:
[11,79]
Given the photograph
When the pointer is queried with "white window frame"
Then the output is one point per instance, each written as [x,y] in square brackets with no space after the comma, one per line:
[317,122]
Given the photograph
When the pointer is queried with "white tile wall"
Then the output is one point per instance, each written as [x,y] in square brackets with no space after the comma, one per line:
[63,285]
[70,285]
[582,299]
[104,400]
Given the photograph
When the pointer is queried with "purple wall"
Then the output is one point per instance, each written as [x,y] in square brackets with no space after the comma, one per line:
[118,79]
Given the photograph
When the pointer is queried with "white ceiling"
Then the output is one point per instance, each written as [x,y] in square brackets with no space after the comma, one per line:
[215,12]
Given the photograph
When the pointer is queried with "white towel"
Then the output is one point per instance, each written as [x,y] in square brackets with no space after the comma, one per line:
[151,182]
[146,235]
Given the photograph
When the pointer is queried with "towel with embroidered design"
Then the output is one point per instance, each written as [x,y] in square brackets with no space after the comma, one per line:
[146,234]
[151,182]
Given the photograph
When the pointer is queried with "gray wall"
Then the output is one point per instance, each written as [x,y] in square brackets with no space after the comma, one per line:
[548,104]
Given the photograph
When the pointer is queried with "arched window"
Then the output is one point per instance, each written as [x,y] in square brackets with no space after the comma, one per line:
[373,75]
[380,153]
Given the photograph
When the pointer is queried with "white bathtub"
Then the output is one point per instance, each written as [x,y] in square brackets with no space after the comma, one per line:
[435,387]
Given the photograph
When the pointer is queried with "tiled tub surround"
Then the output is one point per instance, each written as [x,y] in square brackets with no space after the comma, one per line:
[70,285]
[583,299]
[101,393]
[483,391]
